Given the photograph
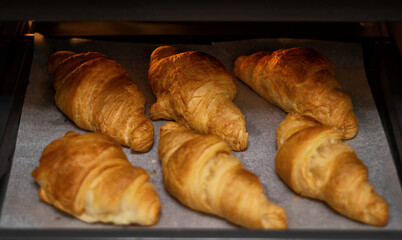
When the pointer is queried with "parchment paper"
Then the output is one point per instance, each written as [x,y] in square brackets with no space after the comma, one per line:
[42,122]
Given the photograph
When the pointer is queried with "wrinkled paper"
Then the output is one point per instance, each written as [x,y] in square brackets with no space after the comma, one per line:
[42,122]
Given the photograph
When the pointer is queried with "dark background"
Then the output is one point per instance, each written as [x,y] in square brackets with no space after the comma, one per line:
[206,10]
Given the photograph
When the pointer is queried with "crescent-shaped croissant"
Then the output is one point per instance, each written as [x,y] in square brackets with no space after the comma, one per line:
[313,160]
[198,171]
[89,176]
[194,89]
[96,93]
[299,80]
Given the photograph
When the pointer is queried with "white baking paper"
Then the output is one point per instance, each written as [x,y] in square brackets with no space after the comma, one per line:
[42,122]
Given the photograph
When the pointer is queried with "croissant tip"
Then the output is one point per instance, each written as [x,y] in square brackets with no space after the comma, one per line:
[377,212]
[143,136]
[237,64]
[276,219]
[163,52]
[242,143]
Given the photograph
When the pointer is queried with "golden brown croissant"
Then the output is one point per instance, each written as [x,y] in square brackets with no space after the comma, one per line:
[98,95]
[299,80]
[195,89]
[198,171]
[314,161]
[90,177]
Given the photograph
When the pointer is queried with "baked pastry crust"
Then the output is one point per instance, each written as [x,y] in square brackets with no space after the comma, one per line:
[89,176]
[96,93]
[199,171]
[194,89]
[299,80]
[313,160]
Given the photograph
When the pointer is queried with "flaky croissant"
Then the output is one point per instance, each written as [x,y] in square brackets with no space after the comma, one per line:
[97,94]
[90,177]
[299,80]
[194,89]
[198,171]
[313,160]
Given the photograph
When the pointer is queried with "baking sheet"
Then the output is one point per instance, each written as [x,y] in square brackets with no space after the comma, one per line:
[42,122]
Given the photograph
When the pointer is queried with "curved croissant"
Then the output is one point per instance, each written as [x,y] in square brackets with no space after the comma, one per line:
[90,177]
[200,173]
[98,95]
[313,160]
[299,80]
[195,89]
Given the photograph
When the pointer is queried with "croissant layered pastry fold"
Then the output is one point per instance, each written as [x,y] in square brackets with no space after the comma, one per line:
[299,80]
[313,160]
[96,93]
[89,176]
[195,89]
[199,171]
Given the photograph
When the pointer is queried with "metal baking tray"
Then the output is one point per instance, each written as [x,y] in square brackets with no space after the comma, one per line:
[382,68]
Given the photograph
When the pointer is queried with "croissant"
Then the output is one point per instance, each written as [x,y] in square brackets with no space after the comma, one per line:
[198,171]
[299,80]
[313,160]
[97,94]
[194,89]
[90,177]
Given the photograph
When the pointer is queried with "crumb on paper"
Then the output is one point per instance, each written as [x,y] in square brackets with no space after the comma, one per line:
[153,161]
[296,198]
